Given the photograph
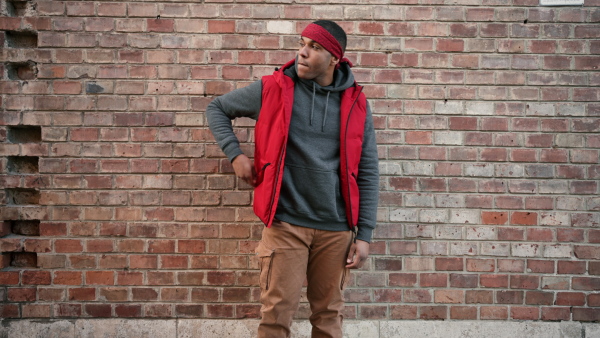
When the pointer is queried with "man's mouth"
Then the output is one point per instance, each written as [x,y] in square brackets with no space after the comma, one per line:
[302,64]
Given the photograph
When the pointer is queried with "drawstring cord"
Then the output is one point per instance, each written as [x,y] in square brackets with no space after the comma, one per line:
[325,114]
[312,108]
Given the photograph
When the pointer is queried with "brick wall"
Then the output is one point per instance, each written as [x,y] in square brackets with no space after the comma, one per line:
[116,201]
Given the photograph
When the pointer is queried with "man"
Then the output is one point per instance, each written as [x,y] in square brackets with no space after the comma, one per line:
[315,174]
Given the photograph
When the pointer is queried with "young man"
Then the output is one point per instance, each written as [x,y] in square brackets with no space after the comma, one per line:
[315,174]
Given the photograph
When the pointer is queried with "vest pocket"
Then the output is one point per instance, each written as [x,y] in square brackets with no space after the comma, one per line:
[260,175]
[265,256]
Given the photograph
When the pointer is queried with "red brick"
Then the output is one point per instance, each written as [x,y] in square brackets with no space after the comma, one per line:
[219,311]
[433,279]
[569,235]
[539,266]
[35,310]
[511,265]
[82,294]
[98,310]
[21,294]
[523,218]
[418,137]
[417,296]
[586,283]
[189,311]
[161,278]
[480,265]
[403,279]
[67,278]
[114,294]
[99,277]
[9,277]
[191,246]
[449,296]
[463,312]
[540,235]
[370,28]
[449,264]
[403,312]
[128,311]
[463,280]
[556,313]
[215,26]
[524,282]
[593,299]
[433,312]
[509,297]
[494,217]
[143,262]
[524,313]
[571,267]
[570,298]
[586,314]
[494,281]
[493,313]
[30,277]
[539,298]
[144,294]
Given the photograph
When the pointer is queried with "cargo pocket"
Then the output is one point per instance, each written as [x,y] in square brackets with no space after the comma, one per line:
[265,256]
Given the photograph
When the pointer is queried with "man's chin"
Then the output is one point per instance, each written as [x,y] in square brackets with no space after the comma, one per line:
[304,76]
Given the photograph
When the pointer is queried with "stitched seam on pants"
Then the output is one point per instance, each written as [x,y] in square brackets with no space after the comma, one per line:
[344,275]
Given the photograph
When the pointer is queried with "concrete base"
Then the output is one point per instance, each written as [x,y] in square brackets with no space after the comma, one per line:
[209,328]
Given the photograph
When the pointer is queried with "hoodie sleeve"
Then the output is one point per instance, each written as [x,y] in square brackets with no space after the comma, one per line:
[242,102]
[368,182]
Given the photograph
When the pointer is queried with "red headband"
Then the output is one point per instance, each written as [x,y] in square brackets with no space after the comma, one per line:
[324,38]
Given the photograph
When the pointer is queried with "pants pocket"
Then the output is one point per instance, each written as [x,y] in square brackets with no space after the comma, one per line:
[265,256]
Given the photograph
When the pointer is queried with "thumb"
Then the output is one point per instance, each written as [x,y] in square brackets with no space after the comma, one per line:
[351,253]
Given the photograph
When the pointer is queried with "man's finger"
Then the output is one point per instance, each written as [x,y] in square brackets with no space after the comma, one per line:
[351,253]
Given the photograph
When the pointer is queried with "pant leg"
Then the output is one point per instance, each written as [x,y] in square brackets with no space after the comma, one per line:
[326,276]
[283,253]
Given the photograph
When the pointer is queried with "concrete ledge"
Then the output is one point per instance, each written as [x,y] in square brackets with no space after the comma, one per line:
[214,328]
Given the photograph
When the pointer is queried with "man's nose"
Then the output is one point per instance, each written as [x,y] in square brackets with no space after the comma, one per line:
[303,52]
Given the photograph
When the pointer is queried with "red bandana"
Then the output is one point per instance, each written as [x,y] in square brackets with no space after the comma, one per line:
[325,39]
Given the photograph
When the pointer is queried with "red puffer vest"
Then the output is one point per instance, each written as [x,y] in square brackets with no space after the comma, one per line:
[271,134]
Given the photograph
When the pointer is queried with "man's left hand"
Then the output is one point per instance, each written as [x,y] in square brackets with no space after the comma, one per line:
[357,256]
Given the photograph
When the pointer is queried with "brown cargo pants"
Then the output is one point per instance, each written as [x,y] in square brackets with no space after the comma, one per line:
[290,254]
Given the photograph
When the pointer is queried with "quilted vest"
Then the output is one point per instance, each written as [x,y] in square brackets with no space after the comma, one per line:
[271,134]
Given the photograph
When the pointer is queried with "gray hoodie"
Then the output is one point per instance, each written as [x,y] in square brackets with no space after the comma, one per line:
[310,192]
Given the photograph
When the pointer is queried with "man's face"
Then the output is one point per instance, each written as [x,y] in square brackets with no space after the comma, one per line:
[315,62]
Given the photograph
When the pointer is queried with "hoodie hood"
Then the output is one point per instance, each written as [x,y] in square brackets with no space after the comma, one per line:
[342,77]
[342,80]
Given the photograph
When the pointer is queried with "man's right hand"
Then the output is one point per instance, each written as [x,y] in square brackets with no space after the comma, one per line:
[244,169]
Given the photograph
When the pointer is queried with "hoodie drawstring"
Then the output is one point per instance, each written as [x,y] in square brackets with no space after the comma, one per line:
[312,108]
[325,114]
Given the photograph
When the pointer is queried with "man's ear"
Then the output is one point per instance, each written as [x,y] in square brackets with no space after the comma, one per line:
[334,61]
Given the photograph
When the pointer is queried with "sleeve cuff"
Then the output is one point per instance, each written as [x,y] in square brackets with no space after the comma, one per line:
[364,233]
[232,151]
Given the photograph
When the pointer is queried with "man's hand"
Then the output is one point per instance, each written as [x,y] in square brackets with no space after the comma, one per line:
[357,256]
[244,169]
